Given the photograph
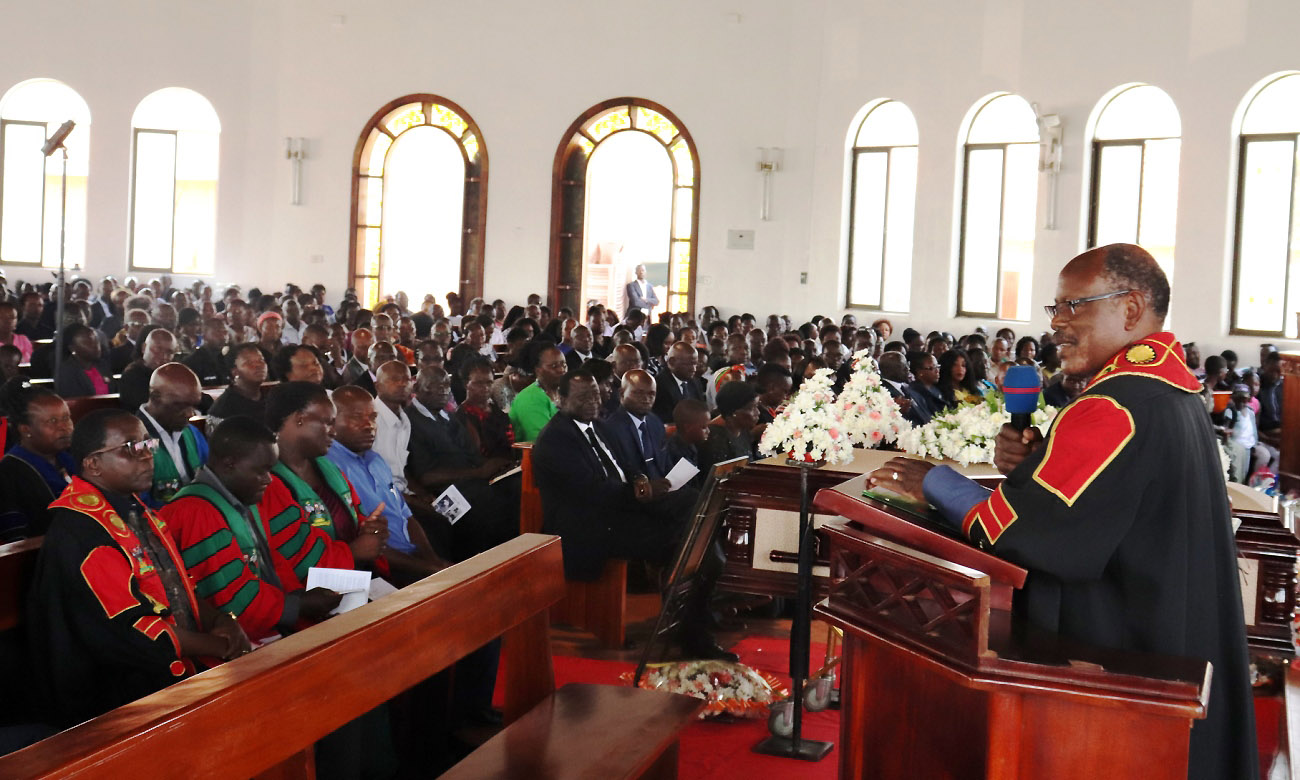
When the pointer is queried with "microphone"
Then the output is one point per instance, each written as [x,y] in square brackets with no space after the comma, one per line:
[56,140]
[1020,389]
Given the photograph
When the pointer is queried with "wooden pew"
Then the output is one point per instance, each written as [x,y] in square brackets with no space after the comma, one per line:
[260,714]
[599,606]
[17,562]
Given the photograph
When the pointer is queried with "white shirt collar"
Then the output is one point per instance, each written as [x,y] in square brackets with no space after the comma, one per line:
[171,442]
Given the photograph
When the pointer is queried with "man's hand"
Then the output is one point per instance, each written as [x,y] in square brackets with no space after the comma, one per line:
[902,476]
[229,631]
[904,404]
[315,604]
[1014,446]
[371,537]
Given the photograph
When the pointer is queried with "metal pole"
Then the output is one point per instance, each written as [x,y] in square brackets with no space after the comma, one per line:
[63,245]
[801,634]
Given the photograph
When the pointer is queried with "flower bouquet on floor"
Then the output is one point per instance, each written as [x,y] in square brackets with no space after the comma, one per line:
[728,688]
[810,429]
[870,416]
[968,434]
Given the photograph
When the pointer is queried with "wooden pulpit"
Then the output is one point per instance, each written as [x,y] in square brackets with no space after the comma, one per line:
[939,680]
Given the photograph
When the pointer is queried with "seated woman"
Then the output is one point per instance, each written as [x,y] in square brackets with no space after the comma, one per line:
[244,396]
[38,468]
[734,436]
[957,385]
[310,511]
[84,371]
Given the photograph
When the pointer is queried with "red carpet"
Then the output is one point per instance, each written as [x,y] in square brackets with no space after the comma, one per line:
[721,749]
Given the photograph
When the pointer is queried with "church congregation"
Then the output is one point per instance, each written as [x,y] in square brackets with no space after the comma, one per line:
[263,321]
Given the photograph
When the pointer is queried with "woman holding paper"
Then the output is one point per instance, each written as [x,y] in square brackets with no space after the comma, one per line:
[312,514]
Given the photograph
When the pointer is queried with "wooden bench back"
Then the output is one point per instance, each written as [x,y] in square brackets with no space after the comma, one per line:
[530,498]
[268,708]
[17,562]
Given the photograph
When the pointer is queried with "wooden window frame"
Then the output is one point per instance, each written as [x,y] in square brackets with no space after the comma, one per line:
[1244,140]
[1094,178]
[130,225]
[474,215]
[961,237]
[568,202]
[857,152]
[40,260]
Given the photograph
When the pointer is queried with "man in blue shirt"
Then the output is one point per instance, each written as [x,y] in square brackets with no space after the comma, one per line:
[409,553]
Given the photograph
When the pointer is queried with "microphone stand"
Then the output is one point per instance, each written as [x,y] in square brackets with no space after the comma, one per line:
[63,246]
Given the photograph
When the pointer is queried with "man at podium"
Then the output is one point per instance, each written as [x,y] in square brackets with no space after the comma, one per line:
[1120,516]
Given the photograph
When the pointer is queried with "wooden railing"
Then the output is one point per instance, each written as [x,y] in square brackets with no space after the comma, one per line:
[261,714]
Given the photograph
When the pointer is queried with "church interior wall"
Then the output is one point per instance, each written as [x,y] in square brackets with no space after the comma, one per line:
[757,73]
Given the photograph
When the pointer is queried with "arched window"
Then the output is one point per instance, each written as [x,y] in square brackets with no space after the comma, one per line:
[174,158]
[30,183]
[1266,260]
[419,189]
[998,207]
[625,194]
[1135,147]
[882,206]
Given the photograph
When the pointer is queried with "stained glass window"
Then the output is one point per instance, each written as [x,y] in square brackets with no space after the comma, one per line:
[1266,257]
[420,187]
[31,183]
[1135,151]
[882,206]
[999,207]
[627,196]
[174,170]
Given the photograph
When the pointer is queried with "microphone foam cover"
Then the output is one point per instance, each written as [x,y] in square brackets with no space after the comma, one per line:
[1020,388]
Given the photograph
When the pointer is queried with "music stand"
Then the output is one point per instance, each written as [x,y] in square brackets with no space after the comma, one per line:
[705,522]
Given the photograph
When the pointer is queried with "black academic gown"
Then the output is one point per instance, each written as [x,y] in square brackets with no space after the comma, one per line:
[1123,522]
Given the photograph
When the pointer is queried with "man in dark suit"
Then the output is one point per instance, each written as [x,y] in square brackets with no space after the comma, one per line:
[895,375]
[582,348]
[924,392]
[640,293]
[601,511]
[634,433]
[679,381]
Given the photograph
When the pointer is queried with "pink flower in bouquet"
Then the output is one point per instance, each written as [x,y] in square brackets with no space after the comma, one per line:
[875,414]
[834,433]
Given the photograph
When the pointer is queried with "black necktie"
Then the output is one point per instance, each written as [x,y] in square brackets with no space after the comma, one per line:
[611,471]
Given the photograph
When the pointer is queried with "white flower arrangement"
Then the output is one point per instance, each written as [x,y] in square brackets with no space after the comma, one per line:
[968,433]
[871,418]
[810,427]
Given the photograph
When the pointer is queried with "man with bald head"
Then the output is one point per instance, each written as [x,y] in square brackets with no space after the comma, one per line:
[174,397]
[624,358]
[1121,515]
[157,348]
[679,381]
[393,433]
[634,431]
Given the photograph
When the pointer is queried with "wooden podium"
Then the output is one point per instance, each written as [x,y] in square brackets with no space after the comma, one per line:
[940,681]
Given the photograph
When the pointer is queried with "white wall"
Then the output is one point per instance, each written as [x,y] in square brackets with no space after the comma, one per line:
[753,73]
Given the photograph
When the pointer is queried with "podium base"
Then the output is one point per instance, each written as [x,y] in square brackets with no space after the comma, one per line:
[809,749]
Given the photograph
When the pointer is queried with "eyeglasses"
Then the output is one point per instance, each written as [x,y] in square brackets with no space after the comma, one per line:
[1073,305]
[132,449]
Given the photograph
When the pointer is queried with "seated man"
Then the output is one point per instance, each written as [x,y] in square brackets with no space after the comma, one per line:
[633,432]
[410,556]
[174,393]
[678,381]
[112,615]
[443,454]
[216,527]
[159,348]
[393,425]
[924,392]
[601,512]
[208,362]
